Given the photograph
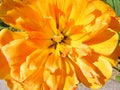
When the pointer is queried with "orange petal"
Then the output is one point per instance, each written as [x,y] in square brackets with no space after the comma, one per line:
[71,81]
[115,24]
[104,43]
[16,13]
[53,62]
[54,74]
[6,36]
[14,85]
[4,67]
[114,56]
[63,78]
[40,37]
[90,71]
[29,15]
[32,70]
[15,53]
[103,63]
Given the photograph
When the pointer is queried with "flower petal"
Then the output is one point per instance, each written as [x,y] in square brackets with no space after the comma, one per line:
[24,16]
[6,36]
[92,75]
[15,53]
[54,74]
[53,63]
[67,41]
[71,81]
[4,67]
[33,69]
[13,84]
[102,42]
[115,24]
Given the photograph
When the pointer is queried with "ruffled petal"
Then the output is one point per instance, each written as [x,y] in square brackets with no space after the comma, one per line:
[113,58]
[33,69]
[6,36]
[92,74]
[4,67]
[54,74]
[60,73]
[115,24]
[102,42]
[13,84]
[24,15]
[9,11]
[15,52]
[67,41]
[71,81]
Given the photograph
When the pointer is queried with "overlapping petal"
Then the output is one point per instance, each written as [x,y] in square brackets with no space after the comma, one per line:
[65,42]
[91,70]
[103,40]
[4,67]
[5,37]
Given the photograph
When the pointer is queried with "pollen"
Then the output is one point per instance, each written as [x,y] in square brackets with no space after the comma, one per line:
[58,38]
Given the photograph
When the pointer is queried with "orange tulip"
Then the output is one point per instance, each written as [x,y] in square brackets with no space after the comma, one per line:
[64,42]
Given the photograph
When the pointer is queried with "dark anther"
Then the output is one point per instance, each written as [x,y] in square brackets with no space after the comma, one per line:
[65,37]
[50,53]
[55,45]
[51,45]
[52,39]
[57,25]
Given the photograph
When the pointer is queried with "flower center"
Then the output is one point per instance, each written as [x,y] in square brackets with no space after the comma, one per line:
[58,38]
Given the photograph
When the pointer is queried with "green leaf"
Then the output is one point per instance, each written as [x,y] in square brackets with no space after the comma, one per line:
[115,4]
[117,78]
[119,38]
[110,2]
[3,25]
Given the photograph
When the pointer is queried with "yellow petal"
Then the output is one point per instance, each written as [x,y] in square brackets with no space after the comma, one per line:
[36,58]
[54,73]
[104,43]
[71,81]
[103,63]
[53,62]
[29,71]
[114,56]
[91,71]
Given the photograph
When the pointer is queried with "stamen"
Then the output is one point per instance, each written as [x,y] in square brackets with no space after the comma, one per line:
[58,38]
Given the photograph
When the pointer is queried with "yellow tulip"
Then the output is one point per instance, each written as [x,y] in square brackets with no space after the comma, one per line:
[64,43]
